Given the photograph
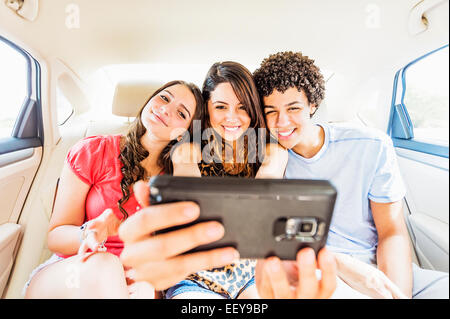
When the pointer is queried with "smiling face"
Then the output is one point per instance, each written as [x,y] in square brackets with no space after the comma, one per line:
[227,115]
[287,115]
[169,113]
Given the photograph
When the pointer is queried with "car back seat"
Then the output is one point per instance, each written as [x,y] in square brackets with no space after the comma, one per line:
[129,98]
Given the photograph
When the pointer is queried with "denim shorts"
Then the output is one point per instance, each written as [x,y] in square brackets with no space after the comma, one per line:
[192,286]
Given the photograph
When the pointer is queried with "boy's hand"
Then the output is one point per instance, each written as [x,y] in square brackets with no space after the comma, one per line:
[276,279]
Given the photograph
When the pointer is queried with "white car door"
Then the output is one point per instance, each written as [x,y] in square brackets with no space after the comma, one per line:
[419,129]
[20,144]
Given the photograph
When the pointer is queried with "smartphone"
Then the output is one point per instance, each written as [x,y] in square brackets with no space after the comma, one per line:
[261,217]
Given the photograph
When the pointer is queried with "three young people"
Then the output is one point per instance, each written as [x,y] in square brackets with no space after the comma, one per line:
[101,170]
[292,87]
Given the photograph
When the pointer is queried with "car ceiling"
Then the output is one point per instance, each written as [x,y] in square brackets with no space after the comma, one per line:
[143,31]
[337,34]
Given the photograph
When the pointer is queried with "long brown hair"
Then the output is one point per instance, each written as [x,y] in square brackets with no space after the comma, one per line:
[132,153]
[241,80]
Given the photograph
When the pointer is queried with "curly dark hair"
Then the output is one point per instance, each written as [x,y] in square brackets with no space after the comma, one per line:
[284,70]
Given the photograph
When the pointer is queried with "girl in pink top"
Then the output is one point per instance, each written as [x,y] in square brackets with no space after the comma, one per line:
[95,195]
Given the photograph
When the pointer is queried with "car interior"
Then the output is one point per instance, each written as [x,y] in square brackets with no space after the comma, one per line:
[78,68]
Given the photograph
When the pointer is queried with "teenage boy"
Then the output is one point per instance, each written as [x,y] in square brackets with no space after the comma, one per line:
[361,163]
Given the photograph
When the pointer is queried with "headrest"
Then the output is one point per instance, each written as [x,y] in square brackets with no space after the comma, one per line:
[130,97]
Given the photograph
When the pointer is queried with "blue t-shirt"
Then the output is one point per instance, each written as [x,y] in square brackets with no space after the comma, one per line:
[362,165]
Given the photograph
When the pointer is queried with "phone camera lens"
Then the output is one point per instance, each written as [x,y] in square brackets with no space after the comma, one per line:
[295,228]
[306,227]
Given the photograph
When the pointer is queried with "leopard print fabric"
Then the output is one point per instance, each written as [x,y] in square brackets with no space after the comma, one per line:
[230,280]
[217,169]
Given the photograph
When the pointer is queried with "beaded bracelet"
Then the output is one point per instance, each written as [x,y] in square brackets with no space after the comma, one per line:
[82,230]
[83,227]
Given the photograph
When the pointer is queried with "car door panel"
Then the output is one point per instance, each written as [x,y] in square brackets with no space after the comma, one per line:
[17,171]
[15,181]
[427,182]
[9,237]
[418,126]
[20,145]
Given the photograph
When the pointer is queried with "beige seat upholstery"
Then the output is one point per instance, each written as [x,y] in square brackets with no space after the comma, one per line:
[129,98]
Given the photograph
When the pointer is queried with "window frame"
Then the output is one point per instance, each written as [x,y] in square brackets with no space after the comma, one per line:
[400,126]
[27,131]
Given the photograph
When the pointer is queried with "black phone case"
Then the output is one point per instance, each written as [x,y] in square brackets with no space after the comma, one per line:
[254,212]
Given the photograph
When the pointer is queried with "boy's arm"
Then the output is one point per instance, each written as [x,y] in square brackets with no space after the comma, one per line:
[394,251]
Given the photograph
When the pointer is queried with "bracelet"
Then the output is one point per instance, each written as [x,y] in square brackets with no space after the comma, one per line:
[83,237]
[82,231]
[102,247]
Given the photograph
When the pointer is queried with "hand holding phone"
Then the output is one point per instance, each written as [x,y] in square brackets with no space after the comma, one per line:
[160,259]
[262,217]
[276,279]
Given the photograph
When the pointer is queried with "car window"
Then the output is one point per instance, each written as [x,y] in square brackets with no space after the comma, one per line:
[13,86]
[427,99]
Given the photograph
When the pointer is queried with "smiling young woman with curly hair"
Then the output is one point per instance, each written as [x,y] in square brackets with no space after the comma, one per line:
[95,195]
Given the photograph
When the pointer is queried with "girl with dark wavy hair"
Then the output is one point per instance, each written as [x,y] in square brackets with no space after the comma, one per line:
[95,195]
[233,144]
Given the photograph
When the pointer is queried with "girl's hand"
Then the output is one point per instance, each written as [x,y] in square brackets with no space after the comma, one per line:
[277,279]
[97,232]
[158,259]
